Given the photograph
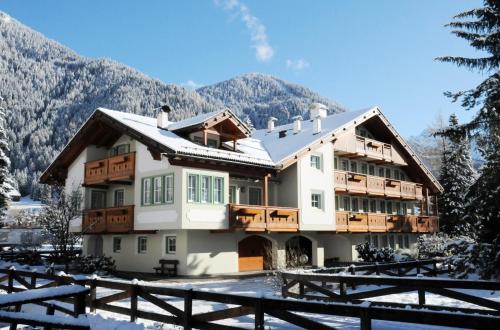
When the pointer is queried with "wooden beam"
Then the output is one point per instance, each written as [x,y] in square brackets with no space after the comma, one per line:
[265,189]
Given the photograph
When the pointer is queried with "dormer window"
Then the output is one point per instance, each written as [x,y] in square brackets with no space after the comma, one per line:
[119,150]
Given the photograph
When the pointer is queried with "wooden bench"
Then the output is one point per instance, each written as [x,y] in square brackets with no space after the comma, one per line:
[168,267]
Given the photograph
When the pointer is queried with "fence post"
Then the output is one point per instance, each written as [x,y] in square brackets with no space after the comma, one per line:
[421,297]
[399,269]
[418,267]
[259,315]
[365,320]
[188,310]
[10,274]
[301,288]
[352,270]
[343,290]
[33,279]
[434,267]
[133,300]
[50,311]
[93,295]
[377,268]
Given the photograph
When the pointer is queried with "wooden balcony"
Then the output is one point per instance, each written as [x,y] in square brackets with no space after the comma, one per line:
[381,223]
[119,168]
[373,149]
[112,220]
[258,218]
[361,184]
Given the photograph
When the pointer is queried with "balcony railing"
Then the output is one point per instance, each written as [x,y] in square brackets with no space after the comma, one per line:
[373,148]
[112,220]
[356,183]
[112,169]
[376,222]
[255,218]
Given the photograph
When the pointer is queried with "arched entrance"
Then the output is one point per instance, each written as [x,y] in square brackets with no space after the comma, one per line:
[254,253]
[94,245]
[298,251]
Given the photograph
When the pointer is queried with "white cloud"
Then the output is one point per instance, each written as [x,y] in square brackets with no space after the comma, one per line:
[297,65]
[263,50]
[191,84]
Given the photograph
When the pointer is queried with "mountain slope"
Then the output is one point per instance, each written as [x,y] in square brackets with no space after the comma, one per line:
[49,91]
[260,96]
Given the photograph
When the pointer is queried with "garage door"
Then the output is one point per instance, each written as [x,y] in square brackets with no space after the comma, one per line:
[253,253]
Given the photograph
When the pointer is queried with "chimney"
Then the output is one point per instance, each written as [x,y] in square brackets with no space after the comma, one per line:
[317,124]
[317,109]
[297,124]
[270,124]
[162,118]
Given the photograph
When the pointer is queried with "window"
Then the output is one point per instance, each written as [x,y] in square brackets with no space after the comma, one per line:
[146,191]
[142,244]
[119,150]
[398,208]
[212,143]
[382,206]
[97,199]
[119,197]
[365,205]
[405,209]
[381,171]
[219,190]
[402,176]
[364,168]
[388,173]
[373,206]
[316,161]
[344,164]
[355,205]
[375,240]
[157,189]
[193,188]
[205,189]
[354,167]
[337,206]
[347,203]
[389,207]
[371,169]
[232,194]
[254,196]
[400,241]
[316,200]
[384,240]
[169,188]
[391,241]
[198,139]
[396,174]
[117,244]
[335,163]
[170,244]
[407,241]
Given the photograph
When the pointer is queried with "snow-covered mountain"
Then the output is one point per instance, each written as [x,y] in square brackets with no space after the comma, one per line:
[49,90]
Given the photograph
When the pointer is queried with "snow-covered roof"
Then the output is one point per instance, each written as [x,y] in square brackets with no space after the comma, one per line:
[282,148]
[193,121]
[147,126]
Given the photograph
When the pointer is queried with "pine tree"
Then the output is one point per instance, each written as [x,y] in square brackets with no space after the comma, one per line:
[248,121]
[5,180]
[481,28]
[456,177]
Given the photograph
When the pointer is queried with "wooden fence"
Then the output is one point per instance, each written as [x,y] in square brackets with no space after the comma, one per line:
[428,267]
[299,313]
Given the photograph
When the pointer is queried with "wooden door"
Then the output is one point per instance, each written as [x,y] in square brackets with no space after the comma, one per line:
[254,253]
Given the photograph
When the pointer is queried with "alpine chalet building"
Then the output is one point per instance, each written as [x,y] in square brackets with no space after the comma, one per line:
[219,198]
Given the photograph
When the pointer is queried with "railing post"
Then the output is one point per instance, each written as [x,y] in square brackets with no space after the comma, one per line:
[377,268]
[352,270]
[133,300]
[259,315]
[343,290]
[434,268]
[301,288]
[399,269]
[33,279]
[10,279]
[188,310]
[79,304]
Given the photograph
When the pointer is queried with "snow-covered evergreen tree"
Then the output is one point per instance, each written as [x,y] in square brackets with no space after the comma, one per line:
[456,177]
[5,180]
[480,27]
[248,121]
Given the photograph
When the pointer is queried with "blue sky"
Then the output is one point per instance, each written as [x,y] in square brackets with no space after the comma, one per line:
[358,53]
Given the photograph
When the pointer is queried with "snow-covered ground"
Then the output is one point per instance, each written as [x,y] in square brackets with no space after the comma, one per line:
[256,287]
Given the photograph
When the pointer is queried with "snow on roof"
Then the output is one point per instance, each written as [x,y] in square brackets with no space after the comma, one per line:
[196,120]
[148,127]
[281,148]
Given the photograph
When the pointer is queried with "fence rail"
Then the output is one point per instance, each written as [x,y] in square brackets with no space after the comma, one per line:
[290,311]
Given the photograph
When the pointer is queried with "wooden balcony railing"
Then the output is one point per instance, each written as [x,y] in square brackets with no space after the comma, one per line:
[356,183]
[116,168]
[373,148]
[379,222]
[255,218]
[112,220]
